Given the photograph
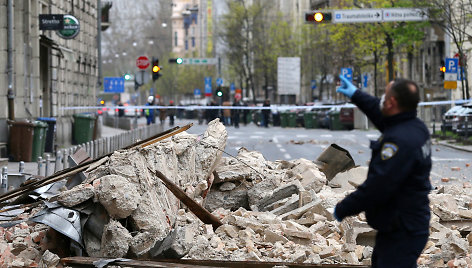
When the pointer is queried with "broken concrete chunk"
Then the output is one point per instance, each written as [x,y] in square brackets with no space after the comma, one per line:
[119,197]
[49,260]
[311,176]
[76,195]
[115,240]
[350,179]
[227,229]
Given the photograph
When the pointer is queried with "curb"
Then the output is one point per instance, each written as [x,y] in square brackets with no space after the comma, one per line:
[461,148]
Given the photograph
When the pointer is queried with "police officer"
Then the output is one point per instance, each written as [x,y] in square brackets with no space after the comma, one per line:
[395,194]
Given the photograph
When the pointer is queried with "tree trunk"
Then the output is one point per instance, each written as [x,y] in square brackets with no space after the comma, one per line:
[376,59]
[389,42]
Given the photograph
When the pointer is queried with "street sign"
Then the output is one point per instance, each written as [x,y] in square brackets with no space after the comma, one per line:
[142,62]
[357,15]
[232,87]
[113,84]
[208,89]
[365,80]
[288,75]
[141,77]
[219,81]
[367,15]
[450,76]
[197,93]
[347,72]
[200,61]
[51,21]
[313,84]
[404,14]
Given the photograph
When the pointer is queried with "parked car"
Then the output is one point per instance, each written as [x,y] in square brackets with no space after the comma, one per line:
[346,117]
[462,122]
[449,116]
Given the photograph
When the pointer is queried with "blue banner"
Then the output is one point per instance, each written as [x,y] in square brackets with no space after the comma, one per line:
[113,84]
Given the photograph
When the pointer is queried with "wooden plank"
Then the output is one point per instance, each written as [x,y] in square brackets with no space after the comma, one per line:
[197,209]
[88,261]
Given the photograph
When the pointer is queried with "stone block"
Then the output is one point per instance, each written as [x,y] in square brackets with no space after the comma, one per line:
[115,240]
[273,237]
[119,197]
[227,229]
[298,212]
[282,192]
[76,195]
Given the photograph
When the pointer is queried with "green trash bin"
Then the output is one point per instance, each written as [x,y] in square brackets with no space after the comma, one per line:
[334,122]
[83,128]
[284,119]
[292,119]
[308,119]
[39,140]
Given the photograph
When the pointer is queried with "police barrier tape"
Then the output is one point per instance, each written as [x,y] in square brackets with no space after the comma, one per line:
[278,108]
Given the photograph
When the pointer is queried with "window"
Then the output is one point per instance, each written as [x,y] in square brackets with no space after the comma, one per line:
[186,44]
[193,41]
[175,39]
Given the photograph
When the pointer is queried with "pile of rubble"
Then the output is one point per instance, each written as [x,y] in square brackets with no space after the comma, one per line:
[278,211]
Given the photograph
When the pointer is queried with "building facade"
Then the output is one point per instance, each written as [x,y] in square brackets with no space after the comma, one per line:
[47,72]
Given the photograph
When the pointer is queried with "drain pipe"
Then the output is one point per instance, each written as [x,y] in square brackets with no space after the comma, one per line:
[10,93]
[99,43]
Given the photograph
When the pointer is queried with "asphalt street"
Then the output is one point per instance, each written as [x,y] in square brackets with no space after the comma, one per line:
[276,143]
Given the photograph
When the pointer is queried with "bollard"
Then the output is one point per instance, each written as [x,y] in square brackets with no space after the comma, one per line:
[47,166]
[65,163]
[4,182]
[40,165]
[57,164]
[21,168]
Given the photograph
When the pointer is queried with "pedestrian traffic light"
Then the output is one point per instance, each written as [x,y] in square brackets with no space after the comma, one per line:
[155,69]
[219,92]
[176,60]
[127,76]
[318,17]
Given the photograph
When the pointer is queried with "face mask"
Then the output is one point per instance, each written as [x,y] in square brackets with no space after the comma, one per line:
[382,100]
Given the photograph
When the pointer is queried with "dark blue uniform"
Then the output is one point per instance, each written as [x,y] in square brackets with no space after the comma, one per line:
[395,194]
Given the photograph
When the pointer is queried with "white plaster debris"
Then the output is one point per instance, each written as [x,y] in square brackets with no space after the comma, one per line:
[295,223]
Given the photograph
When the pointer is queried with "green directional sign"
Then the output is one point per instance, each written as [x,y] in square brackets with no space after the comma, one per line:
[200,61]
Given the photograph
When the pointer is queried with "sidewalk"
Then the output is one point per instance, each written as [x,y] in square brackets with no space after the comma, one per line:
[465,148]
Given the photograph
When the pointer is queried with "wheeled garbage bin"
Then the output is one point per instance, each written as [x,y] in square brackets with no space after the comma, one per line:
[39,140]
[334,122]
[20,140]
[83,128]
[50,133]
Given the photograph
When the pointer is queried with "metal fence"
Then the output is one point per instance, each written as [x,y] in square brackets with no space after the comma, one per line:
[96,148]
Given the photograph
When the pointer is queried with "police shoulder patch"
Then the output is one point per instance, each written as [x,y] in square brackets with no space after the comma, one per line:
[388,150]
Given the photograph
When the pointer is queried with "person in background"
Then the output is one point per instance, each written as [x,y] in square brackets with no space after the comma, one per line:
[149,113]
[162,112]
[235,113]
[121,112]
[265,114]
[395,194]
[171,113]
[226,114]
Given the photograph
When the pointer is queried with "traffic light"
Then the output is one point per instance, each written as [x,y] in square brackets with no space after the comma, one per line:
[176,60]
[318,17]
[442,70]
[127,77]
[219,92]
[155,69]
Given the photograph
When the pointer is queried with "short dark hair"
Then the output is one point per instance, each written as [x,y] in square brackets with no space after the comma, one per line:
[407,94]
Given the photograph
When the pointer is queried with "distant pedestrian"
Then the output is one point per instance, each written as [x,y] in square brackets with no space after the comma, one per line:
[171,113]
[395,195]
[211,114]
[121,112]
[149,113]
[265,114]
[162,113]
[235,113]
[226,114]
